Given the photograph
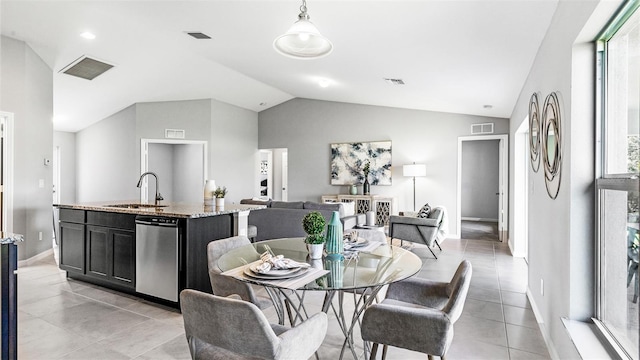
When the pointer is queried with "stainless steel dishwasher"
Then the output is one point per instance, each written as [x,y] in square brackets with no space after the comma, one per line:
[157,251]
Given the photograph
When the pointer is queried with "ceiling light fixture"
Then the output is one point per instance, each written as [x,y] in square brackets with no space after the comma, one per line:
[324,83]
[303,40]
[87,35]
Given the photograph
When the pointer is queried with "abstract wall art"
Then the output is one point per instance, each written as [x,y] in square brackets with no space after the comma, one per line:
[348,161]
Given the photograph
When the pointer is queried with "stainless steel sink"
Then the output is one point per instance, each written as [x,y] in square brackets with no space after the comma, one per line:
[135,206]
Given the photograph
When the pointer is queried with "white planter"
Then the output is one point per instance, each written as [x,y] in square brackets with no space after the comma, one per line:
[315,251]
[220,202]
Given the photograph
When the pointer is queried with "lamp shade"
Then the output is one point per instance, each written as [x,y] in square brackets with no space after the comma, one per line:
[414,170]
[303,41]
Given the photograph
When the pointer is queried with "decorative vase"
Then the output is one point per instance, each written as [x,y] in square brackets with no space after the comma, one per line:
[353,190]
[209,188]
[365,187]
[336,272]
[335,242]
[315,251]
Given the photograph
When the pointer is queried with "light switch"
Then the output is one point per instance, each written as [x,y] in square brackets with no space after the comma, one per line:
[41,183]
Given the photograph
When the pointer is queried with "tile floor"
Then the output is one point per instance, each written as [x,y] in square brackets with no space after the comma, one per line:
[67,319]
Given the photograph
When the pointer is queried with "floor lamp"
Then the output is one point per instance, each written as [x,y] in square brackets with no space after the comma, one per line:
[414,170]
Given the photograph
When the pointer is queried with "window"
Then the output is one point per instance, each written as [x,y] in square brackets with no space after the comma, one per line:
[617,185]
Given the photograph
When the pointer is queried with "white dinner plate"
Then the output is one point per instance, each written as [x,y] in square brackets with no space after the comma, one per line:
[271,276]
[274,272]
[358,243]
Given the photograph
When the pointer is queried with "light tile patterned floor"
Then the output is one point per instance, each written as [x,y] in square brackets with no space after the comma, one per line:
[67,319]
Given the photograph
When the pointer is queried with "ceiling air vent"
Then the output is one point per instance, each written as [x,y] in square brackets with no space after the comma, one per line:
[86,68]
[394,81]
[174,134]
[486,128]
[199,35]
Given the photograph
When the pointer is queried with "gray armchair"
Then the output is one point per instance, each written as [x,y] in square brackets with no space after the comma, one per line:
[418,314]
[419,230]
[225,285]
[226,328]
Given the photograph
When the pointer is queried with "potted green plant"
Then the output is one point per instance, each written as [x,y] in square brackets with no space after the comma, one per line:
[314,225]
[219,193]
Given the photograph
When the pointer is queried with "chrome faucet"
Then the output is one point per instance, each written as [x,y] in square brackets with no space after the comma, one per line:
[158,195]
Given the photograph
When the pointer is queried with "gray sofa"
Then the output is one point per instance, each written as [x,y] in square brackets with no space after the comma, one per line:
[282,219]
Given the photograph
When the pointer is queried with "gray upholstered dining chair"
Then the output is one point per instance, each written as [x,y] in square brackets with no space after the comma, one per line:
[418,230]
[226,328]
[225,285]
[418,314]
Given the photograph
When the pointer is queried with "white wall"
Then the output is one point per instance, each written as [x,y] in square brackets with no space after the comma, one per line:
[161,162]
[66,141]
[110,149]
[233,150]
[561,231]
[188,173]
[26,90]
[480,179]
[107,166]
[308,127]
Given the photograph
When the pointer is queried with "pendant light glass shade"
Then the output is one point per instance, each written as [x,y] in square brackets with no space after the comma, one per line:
[303,40]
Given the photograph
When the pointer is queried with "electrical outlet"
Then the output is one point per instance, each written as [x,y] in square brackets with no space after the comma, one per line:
[40,235]
[542,287]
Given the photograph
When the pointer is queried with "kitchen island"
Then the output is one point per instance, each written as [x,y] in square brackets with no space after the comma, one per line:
[150,251]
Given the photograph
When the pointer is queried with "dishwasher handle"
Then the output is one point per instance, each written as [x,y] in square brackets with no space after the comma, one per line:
[156,221]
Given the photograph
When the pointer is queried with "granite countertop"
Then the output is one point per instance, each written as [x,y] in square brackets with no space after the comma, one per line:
[169,209]
[10,238]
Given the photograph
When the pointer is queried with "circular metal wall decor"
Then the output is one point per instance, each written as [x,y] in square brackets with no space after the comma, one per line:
[534,132]
[551,138]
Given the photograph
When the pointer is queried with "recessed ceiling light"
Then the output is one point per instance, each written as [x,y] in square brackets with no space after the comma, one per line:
[324,83]
[87,35]
[488,106]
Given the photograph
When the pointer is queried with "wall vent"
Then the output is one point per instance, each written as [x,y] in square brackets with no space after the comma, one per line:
[86,68]
[394,81]
[174,134]
[486,128]
[198,35]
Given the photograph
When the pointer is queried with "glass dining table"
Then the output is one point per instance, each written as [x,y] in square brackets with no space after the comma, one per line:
[363,273]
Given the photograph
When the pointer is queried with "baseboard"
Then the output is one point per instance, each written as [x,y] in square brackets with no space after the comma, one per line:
[478,219]
[43,255]
[543,330]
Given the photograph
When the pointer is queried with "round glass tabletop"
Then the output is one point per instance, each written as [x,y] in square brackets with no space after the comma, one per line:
[383,265]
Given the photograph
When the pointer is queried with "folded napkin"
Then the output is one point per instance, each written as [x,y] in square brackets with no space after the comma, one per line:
[278,262]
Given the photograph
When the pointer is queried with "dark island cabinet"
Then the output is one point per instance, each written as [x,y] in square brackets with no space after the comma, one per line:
[111,247]
[71,240]
[110,255]
[99,245]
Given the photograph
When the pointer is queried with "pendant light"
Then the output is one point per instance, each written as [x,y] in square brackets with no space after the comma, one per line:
[303,40]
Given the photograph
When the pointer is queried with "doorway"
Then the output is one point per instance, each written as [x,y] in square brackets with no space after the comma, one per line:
[6,171]
[181,167]
[519,245]
[483,200]
[274,174]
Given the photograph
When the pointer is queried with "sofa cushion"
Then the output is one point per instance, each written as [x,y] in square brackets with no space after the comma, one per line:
[255,202]
[425,211]
[287,204]
[309,205]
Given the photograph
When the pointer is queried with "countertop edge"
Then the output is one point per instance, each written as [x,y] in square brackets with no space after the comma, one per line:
[176,210]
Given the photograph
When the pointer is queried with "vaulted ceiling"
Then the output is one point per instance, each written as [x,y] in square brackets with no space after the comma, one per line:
[469,57]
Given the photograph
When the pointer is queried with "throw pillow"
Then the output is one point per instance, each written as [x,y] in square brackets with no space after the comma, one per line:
[425,211]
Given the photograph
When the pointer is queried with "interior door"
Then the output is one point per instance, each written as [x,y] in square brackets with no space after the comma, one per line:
[285,176]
